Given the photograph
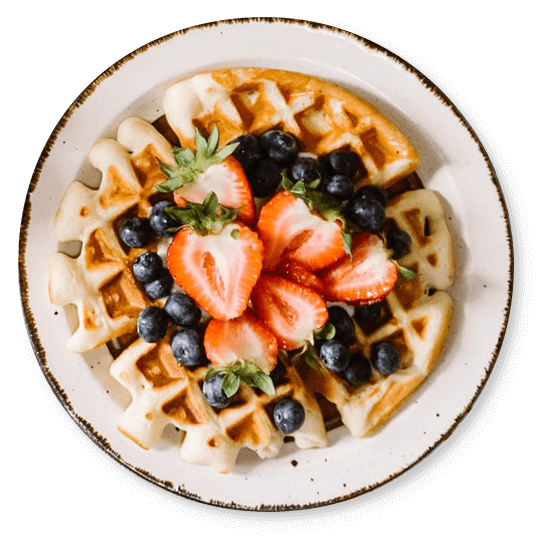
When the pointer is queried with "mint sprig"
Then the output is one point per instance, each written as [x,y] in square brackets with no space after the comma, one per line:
[309,353]
[241,372]
[191,164]
[207,217]
[321,204]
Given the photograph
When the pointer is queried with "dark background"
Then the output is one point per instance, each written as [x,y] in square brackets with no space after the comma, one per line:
[54,464]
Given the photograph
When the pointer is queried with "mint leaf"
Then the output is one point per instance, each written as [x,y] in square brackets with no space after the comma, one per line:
[230,384]
[241,372]
[406,272]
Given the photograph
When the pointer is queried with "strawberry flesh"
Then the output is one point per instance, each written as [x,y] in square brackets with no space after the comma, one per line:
[244,338]
[228,180]
[289,230]
[291,311]
[368,276]
[218,271]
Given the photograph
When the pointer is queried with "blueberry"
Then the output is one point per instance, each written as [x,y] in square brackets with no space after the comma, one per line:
[342,322]
[152,324]
[182,310]
[358,371]
[135,232]
[342,162]
[147,266]
[213,392]
[247,152]
[365,210]
[339,187]
[288,415]
[161,286]
[161,221]
[385,357]
[334,354]
[399,241]
[279,146]
[366,315]
[306,169]
[188,348]
[264,177]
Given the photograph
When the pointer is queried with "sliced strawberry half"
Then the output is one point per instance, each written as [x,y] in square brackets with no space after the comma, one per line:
[207,170]
[213,258]
[227,179]
[244,338]
[291,231]
[298,273]
[368,276]
[291,311]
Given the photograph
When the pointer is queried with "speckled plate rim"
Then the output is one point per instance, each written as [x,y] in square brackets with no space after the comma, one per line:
[38,316]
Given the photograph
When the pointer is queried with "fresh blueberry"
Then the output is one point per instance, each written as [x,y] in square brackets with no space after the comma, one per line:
[264,177]
[342,162]
[279,146]
[136,232]
[161,221]
[213,392]
[399,241]
[343,324]
[366,315]
[334,354]
[288,415]
[147,266]
[358,370]
[182,310]
[306,169]
[339,187]
[247,152]
[161,286]
[152,324]
[385,357]
[365,210]
[188,348]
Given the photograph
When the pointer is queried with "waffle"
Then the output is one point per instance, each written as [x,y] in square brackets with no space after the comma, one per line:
[415,317]
[165,393]
[97,282]
[322,115]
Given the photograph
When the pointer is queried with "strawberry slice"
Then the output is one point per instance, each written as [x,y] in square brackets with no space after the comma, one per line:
[214,259]
[244,338]
[205,171]
[296,272]
[368,276]
[291,311]
[290,230]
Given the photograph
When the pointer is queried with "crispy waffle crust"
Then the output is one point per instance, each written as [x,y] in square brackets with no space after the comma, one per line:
[104,299]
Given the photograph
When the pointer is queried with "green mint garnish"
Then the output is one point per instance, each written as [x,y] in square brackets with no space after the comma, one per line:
[241,372]
[406,272]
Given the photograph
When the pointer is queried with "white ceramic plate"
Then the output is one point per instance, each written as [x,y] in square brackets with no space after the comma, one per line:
[453,162]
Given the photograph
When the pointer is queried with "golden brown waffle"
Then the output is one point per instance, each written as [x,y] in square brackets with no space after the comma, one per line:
[414,317]
[322,115]
[99,283]
[163,392]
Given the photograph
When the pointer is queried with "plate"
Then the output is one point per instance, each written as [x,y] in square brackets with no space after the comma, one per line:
[454,163]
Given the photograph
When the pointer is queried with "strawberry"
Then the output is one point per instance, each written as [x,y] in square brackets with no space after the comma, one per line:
[214,258]
[291,311]
[366,277]
[298,273]
[244,338]
[206,171]
[300,223]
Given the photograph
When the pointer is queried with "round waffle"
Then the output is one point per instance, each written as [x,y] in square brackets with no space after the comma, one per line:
[99,285]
